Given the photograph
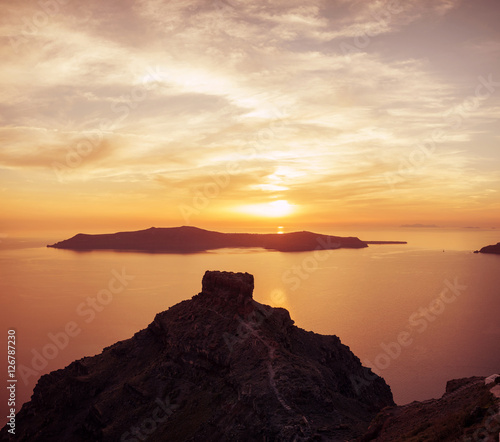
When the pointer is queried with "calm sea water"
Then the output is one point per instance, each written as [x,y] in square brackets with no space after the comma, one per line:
[419,314]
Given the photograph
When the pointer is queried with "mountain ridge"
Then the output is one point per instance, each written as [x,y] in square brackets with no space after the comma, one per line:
[190,239]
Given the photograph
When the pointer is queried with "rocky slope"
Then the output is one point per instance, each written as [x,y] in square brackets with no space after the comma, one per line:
[218,367]
[192,239]
[467,412]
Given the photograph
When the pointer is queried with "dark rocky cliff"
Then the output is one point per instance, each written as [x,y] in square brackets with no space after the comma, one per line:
[467,412]
[218,367]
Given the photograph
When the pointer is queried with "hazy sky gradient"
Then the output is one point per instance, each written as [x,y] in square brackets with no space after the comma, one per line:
[127,114]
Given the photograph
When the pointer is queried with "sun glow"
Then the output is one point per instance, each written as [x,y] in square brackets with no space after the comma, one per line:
[274,209]
[278,298]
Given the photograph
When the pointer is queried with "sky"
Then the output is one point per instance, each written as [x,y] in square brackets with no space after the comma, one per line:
[121,115]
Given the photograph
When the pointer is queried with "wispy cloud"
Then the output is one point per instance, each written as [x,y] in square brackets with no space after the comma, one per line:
[168,93]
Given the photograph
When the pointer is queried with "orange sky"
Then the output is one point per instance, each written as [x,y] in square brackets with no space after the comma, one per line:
[129,114]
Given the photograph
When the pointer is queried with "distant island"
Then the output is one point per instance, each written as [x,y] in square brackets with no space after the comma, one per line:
[385,242]
[420,226]
[494,249]
[189,239]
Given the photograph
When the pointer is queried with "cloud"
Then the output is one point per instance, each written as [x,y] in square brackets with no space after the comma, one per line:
[169,93]
[26,148]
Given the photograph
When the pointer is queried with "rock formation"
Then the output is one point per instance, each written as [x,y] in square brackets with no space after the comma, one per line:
[467,412]
[218,367]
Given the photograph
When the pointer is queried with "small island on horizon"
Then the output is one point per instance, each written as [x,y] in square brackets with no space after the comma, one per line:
[420,226]
[188,239]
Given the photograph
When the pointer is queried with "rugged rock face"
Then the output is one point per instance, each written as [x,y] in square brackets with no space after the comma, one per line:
[467,412]
[218,367]
[189,239]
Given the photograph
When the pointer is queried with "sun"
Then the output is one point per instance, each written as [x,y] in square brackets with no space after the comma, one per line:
[274,209]
[279,208]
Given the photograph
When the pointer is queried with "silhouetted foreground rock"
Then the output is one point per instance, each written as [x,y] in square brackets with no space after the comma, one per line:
[192,239]
[218,367]
[467,412]
[495,249]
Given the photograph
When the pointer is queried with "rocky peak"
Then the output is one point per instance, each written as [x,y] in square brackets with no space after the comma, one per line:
[228,285]
[220,366]
[227,292]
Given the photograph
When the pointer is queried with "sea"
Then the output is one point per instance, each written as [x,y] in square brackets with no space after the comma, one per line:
[419,314]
